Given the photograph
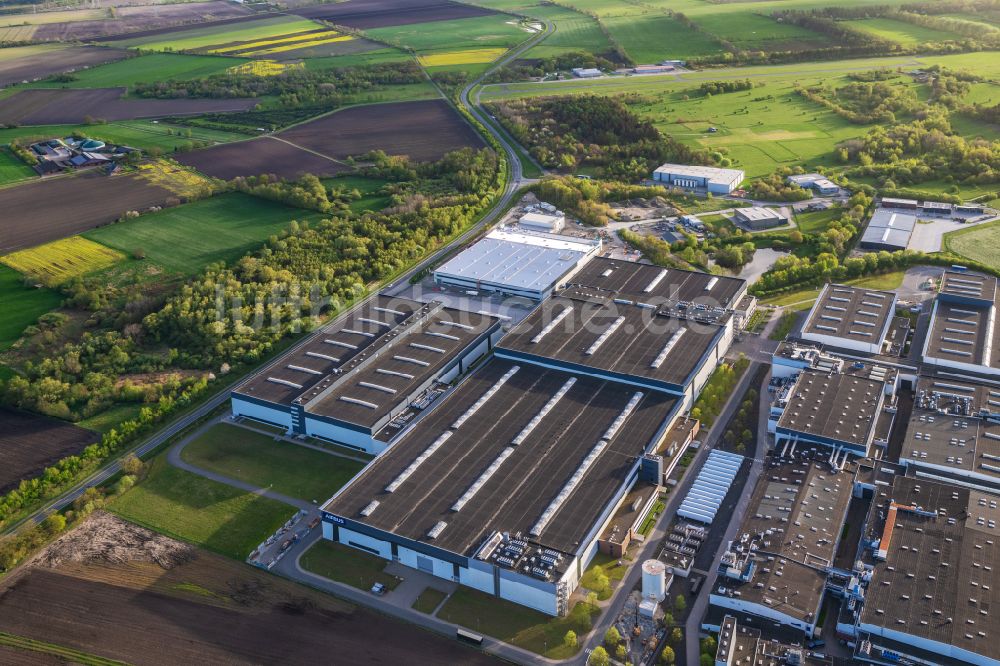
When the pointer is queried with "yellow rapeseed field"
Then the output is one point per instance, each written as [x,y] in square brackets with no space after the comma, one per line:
[58,261]
[182,182]
[264,67]
[299,45]
[467,57]
[262,43]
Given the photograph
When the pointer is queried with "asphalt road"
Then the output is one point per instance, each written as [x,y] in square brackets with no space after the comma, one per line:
[514,182]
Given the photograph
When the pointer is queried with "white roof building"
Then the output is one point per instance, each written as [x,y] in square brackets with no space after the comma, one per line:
[695,177]
[542,222]
[518,263]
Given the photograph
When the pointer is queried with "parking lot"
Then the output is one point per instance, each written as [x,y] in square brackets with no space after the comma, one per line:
[929,232]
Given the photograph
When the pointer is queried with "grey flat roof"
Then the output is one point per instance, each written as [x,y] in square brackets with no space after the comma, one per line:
[629,279]
[371,385]
[713,174]
[521,260]
[964,333]
[293,373]
[850,313]
[891,219]
[524,484]
[757,213]
[840,407]
[969,285]
[939,577]
[795,513]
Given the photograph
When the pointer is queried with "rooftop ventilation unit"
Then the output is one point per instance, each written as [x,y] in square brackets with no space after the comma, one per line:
[546,408]
[417,462]
[484,397]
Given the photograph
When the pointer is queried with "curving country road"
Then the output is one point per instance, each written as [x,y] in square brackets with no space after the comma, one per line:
[514,181]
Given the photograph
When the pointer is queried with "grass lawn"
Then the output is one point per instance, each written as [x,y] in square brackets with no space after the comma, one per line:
[259,459]
[609,565]
[980,243]
[187,238]
[110,418]
[816,221]
[145,69]
[429,600]
[12,169]
[347,565]
[21,306]
[370,199]
[516,624]
[803,299]
[185,506]
[901,32]
[196,38]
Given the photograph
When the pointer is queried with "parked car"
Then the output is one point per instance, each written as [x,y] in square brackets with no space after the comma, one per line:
[378,589]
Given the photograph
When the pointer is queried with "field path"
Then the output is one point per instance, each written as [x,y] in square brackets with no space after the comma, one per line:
[308,150]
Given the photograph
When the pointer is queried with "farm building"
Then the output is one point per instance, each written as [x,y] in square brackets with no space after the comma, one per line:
[849,318]
[888,230]
[548,223]
[816,182]
[587,73]
[963,333]
[758,219]
[517,263]
[356,383]
[905,204]
[701,178]
[510,482]
[935,208]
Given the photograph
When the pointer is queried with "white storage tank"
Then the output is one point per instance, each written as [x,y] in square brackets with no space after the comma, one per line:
[654,580]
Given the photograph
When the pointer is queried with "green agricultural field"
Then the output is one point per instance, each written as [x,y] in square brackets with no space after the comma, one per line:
[654,37]
[258,459]
[185,506]
[21,305]
[187,238]
[483,32]
[980,243]
[757,32]
[901,32]
[196,38]
[13,169]
[146,68]
[574,32]
[357,59]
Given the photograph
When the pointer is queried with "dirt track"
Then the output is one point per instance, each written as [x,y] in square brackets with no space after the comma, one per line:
[203,609]
[29,443]
[69,106]
[365,14]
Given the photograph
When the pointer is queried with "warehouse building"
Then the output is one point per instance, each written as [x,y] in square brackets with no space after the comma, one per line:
[743,645]
[837,409]
[903,204]
[816,182]
[888,230]
[512,481]
[929,592]
[657,328]
[935,208]
[699,178]
[546,223]
[776,568]
[353,382]
[758,219]
[508,484]
[963,336]
[849,318]
[517,263]
[954,432]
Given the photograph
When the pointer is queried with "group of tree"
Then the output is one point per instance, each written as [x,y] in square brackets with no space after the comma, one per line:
[294,87]
[563,62]
[777,187]
[864,103]
[587,199]
[566,133]
[720,87]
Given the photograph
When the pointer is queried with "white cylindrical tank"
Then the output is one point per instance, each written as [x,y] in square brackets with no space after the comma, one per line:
[654,580]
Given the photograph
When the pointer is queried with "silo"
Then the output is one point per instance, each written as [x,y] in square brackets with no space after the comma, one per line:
[654,580]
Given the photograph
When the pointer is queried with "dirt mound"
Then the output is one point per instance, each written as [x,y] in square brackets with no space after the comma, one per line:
[107,538]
